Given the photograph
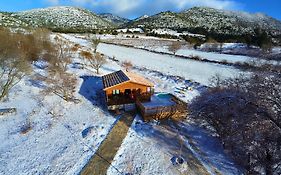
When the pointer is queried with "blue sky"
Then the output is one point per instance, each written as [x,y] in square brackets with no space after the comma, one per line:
[135,8]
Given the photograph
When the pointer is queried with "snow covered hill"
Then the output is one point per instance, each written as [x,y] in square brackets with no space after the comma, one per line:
[63,18]
[141,17]
[117,20]
[212,20]
[6,20]
[195,20]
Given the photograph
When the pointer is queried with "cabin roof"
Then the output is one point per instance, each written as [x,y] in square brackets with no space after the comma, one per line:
[120,77]
[135,78]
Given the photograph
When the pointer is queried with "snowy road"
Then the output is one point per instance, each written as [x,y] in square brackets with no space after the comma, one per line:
[189,69]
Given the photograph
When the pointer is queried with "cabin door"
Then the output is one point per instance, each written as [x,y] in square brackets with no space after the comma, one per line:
[127,92]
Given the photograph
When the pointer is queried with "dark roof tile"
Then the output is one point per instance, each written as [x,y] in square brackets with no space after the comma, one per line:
[114,78]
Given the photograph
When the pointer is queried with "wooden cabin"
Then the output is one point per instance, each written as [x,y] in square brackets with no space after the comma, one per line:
[122,88]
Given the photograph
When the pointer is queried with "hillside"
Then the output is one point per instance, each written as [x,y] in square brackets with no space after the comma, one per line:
[116,20]
[196,20]
[212,20]
[65,19]
[6,20]
[141,17]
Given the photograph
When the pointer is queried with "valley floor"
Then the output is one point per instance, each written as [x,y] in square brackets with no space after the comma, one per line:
[50,136]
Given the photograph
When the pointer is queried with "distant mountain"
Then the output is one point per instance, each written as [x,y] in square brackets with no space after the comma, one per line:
[211,20]
[200,20]
[116,20]
[63,18]
[141,17]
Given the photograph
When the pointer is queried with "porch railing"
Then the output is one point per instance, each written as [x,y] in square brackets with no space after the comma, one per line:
[119,99]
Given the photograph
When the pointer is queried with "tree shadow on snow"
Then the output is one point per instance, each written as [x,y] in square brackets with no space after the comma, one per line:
[188,141]
[92,90]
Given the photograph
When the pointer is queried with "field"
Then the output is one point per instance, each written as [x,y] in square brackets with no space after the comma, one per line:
[50,136]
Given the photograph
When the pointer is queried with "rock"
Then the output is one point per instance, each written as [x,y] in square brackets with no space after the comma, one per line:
[7,111]
[177,160]
[86,131]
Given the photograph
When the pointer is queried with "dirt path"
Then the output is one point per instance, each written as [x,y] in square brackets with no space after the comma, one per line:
[101,160]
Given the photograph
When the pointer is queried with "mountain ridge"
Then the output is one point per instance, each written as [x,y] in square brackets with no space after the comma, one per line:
[114,19]
[195,20]
[212,20]
[63,18]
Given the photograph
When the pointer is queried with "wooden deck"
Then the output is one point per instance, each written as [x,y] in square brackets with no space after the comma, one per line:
[177,111]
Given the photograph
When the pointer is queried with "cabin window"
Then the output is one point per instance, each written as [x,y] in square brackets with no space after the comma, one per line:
[148,89]
[116,92]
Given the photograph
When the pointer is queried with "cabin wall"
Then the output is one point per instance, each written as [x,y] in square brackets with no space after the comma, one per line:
[127,85]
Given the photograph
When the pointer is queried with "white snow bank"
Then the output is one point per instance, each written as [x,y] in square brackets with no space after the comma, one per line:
[189,69]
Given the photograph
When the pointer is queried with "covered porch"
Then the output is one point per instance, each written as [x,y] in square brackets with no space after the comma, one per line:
[128,97]
[122,88]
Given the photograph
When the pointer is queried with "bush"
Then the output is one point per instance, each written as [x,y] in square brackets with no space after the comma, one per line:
[58,80]
[17,51]
[246,114]
[196,57]
[96,60]
[174,47]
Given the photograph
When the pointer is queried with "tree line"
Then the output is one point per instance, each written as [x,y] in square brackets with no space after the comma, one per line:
[259,38]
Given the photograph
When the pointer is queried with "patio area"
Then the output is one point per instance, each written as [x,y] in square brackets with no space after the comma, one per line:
[162,106]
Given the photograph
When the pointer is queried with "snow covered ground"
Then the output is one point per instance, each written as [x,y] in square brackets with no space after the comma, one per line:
[205,55]
[166,31]
[149,148]
[161,45]
[193,70]
[49,136]
[45,136]
[231,52]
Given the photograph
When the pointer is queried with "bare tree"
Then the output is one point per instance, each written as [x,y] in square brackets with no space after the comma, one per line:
[127,65]
[216,80]
[96,60]
[59,81]
[75,48]
[13,61]
[95,42]
[12,71]
[62,50]
[86,55]
[174,47]
[62,84]
[245,112]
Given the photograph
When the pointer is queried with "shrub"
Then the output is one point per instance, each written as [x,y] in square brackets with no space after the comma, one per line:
[15,57]
[96,60]
[127,65]
[174,47]
[58,80]
[246,114]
